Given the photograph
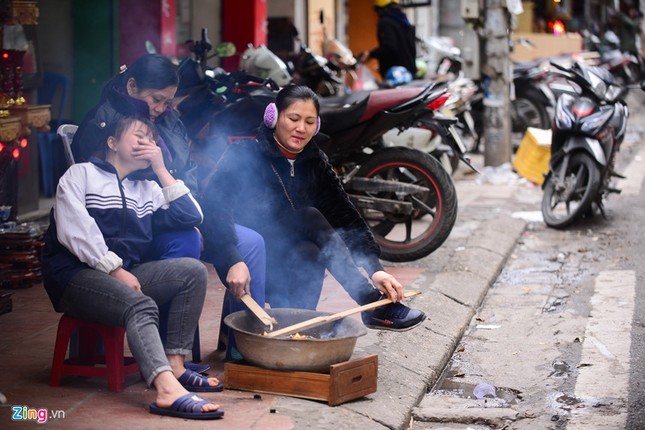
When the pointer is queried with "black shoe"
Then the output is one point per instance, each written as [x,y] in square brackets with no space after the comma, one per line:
[395,317]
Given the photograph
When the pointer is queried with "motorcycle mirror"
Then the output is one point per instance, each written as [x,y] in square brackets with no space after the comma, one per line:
[150,47]
[225,49]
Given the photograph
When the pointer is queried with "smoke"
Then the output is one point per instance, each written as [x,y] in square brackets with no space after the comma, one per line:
[300,243]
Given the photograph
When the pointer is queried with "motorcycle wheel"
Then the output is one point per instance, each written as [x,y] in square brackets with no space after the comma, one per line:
[566,200]
[413,236]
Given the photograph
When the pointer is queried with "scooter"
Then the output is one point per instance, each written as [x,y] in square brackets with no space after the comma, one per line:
[587,134]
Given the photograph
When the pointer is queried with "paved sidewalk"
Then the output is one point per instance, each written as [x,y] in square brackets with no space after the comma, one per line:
[454,280]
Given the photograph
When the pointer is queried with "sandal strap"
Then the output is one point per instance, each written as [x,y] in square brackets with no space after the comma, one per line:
[193,379]
[187,403]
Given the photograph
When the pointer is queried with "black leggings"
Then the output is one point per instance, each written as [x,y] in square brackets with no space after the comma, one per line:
[297,259]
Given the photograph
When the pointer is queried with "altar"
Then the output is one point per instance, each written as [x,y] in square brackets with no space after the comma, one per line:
[20,119]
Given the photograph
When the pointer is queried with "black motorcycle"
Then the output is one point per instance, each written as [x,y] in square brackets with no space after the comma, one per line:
[587,134]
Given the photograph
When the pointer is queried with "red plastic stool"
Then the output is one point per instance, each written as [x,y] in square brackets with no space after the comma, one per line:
[112,365]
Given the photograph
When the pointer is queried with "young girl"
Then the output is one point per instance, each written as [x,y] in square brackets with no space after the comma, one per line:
[95,268]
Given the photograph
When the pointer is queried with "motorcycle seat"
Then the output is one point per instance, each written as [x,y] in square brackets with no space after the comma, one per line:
[340,113]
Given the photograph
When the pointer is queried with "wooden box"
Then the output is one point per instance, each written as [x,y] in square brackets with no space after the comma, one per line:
[345,381]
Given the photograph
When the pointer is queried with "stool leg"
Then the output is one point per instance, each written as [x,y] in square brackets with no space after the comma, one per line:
[62,339]
[113,343]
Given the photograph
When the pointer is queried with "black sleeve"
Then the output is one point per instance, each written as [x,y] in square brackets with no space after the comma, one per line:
[334,203]
[217,197]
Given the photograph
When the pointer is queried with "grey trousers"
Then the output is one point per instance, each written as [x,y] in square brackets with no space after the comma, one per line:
[179,283]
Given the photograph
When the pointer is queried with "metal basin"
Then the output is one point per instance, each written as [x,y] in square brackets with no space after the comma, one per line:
[331,343]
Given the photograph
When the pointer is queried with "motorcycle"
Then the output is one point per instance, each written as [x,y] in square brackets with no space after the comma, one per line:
[438,56]
[533,97]
[587,133]
[626,68]
[405,195]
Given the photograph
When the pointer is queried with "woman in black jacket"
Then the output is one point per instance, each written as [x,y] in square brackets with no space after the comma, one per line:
[146,89]
[282,186]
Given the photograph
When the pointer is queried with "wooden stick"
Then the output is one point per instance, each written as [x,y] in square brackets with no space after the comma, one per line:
[314,322]
[258,311]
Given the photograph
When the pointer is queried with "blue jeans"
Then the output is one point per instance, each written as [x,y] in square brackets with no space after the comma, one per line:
[179,284]
[176,244]
[251,247]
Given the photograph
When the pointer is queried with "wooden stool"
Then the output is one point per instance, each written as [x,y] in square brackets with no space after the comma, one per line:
[112,365]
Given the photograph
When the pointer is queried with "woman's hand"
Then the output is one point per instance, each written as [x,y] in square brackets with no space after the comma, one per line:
[127,278]
[147,149]
[388,285]
[238,279]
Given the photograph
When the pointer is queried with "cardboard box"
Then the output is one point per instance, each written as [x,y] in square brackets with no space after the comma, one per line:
[532,158]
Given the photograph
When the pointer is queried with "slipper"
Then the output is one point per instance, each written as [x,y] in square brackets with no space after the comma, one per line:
[197,367]
[187,407]
[198,383]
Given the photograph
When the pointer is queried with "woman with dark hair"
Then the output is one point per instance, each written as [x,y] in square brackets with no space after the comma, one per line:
[146,89]
[96,269]
[282,186]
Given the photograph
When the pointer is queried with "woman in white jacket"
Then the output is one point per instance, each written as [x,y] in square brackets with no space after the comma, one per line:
[96,266]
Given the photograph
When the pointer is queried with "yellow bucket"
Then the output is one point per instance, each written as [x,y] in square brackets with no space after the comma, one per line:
[532,158]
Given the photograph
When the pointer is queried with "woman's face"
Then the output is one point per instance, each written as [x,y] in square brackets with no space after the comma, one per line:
[122,149]
[296,125]
[157,100]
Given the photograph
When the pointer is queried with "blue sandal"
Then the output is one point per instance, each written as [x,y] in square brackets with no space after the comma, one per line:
[197,367]
[198,383]
[187,407]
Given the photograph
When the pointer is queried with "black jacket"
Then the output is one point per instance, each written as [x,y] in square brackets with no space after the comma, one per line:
[396,42]
[99,123]
[245,189]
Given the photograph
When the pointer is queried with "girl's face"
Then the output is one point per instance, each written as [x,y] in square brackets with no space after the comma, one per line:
[296,125]
[121,150]
[157,100]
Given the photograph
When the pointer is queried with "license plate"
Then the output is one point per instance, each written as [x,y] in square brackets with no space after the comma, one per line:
[457,138]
